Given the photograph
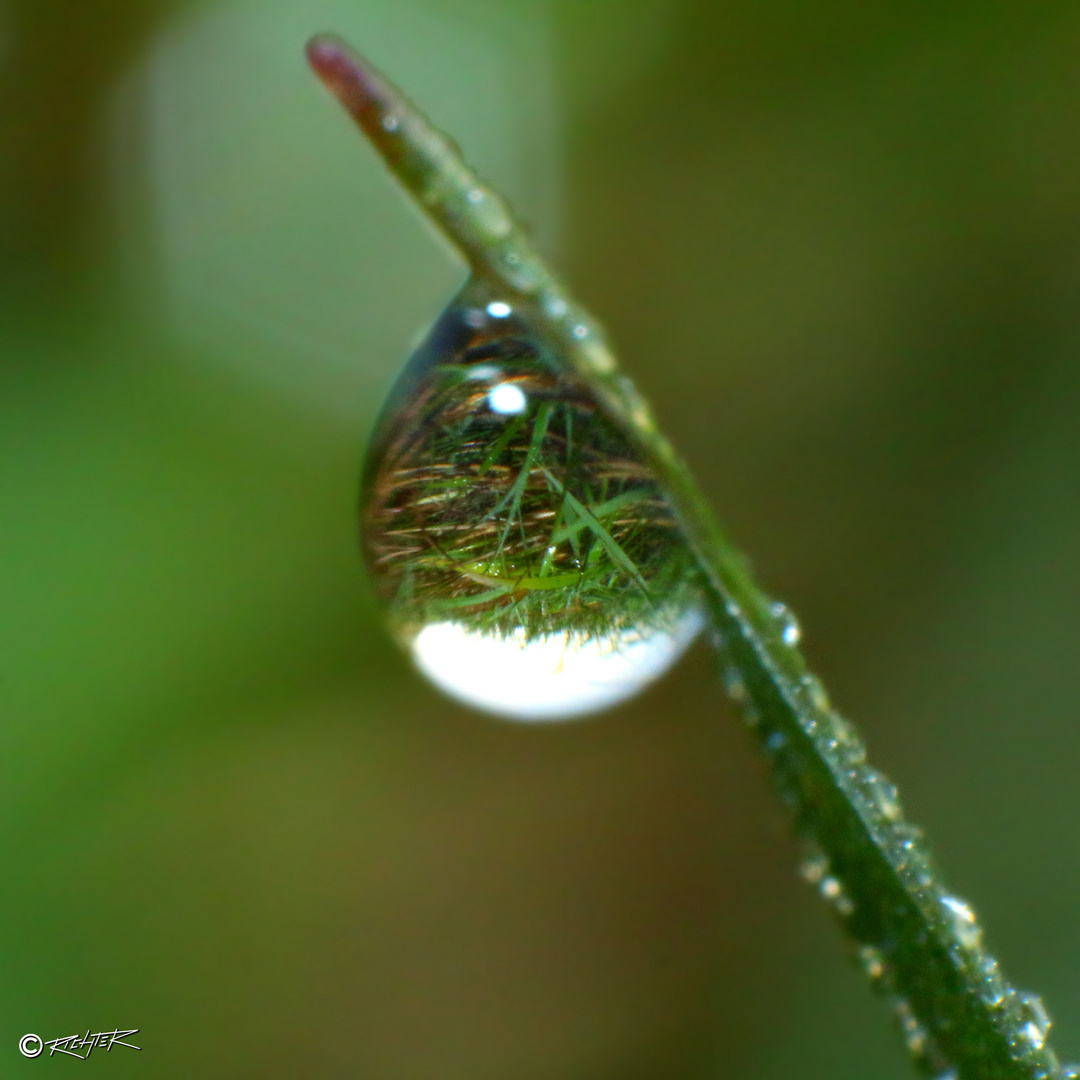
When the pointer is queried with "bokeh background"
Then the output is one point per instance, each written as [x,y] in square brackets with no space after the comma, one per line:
[838,245]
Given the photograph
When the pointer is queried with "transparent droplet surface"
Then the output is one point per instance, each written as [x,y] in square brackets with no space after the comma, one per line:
[786,623]
[1036,1020]
[884,793]
[872,961]
[965,925]
[526,554]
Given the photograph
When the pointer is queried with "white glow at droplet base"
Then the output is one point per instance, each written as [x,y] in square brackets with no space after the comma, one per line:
[557,677]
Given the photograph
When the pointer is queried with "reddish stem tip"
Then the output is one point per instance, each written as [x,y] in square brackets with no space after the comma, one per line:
[326,53]
[348,76]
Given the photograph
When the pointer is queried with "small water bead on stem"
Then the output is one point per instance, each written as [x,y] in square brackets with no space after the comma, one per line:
[815,869]
[883,793]
[814,866]
[993,990]
[816,696]
[734,684]
[915,1034]
[835,894]
[786,623]
[872,961]
[1036,1020]
[920,1042]
[965,925]
[845,742]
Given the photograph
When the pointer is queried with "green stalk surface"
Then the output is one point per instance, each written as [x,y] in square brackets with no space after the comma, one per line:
[919,944]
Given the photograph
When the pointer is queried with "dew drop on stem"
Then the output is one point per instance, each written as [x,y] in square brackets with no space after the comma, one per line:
[1035,1020]
[527,556]
[787,626]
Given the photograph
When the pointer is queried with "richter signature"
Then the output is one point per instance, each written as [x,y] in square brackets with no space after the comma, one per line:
[33,1046]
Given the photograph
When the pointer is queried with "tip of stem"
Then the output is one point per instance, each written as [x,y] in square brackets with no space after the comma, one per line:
[326,53]
[350,78]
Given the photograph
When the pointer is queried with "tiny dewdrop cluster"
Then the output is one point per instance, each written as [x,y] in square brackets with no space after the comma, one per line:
[528,558]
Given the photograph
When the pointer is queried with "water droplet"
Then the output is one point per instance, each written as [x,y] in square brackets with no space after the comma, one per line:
[908,837]
[834,892]
[527,556]
[390,122]
[884,793]
[959,908]
[581,331]
[786,623]
[963,921]
[556,307]
[831,888]
[776,741]
[843,738]
[814,867]
[1035,1020]
[993,990]
[872,961]
[734,684]
[815,693]
[915,1035]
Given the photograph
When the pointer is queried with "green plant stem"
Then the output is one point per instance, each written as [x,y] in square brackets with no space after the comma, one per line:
[919,944]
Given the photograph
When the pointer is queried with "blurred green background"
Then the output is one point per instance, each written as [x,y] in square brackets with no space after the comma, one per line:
[838,244]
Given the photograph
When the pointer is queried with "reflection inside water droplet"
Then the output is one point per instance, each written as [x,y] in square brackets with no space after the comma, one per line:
[527,556]
[508,399]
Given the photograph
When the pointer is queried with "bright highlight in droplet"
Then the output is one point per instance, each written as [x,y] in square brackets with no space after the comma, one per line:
[498,309]
[556,677]
[508,399]
[959,908]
